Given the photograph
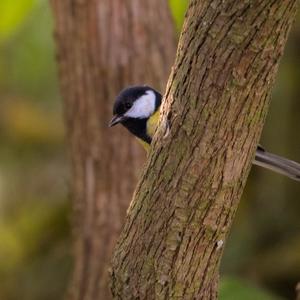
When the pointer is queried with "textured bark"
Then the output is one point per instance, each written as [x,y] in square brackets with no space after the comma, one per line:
[103,46]
[216,102]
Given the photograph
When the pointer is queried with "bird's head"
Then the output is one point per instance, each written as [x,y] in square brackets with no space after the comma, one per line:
[135,103]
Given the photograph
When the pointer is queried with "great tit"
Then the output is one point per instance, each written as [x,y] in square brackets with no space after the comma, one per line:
[137,109]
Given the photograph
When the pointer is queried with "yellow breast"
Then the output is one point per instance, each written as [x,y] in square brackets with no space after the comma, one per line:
[152,123]
[151,127]
[145,145]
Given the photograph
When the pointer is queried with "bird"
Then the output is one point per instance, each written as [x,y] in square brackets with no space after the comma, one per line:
[137,109]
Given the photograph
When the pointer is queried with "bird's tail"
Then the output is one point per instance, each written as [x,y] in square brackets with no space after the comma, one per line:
[277,164]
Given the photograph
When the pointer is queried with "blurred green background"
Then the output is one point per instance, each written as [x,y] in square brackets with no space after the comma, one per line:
[262,258]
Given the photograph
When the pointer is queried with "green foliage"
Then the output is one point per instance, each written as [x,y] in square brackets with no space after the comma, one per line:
[34,251]
[236,289]
[26,122]
[12,14]
[34,229]
[178,8]
[28,231]
[27,64]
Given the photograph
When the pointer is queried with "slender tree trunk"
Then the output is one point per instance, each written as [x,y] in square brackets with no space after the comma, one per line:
[103,46]
[215,104]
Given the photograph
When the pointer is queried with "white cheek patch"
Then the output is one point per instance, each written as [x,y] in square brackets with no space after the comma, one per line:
[143,107]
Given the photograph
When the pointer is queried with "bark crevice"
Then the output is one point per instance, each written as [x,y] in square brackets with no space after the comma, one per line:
[216,102]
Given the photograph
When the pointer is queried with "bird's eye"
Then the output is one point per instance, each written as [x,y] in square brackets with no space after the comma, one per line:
[128,105]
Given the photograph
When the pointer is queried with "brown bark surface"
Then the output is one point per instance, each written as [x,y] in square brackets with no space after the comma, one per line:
[215,103]
[103,46]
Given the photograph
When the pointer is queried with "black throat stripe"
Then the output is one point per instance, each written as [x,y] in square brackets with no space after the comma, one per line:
[138,127]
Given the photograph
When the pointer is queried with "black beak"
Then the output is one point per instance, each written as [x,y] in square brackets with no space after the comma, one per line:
[116,120]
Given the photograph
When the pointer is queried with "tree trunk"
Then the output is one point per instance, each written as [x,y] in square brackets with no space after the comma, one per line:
[103,46]
[214,109]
